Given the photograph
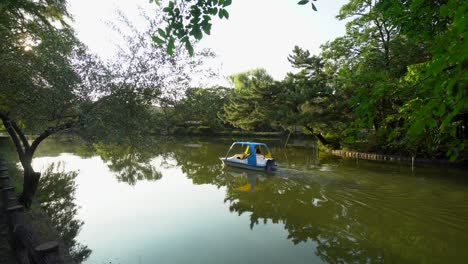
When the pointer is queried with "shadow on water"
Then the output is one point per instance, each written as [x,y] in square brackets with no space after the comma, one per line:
[56,195]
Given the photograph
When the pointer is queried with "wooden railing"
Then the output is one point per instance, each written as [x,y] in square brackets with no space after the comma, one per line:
[390,158]
[27,245]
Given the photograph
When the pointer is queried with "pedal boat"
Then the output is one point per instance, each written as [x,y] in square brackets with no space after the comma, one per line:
[252,157]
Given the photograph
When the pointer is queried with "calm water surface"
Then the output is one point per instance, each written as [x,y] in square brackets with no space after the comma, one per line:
[174,203]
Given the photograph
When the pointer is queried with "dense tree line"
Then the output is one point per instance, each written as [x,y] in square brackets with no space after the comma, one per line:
[394,83]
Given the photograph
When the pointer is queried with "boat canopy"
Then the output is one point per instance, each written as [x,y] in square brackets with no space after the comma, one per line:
[251,159]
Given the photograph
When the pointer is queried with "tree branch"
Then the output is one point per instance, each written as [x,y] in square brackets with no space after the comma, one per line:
[21,136]
[51,130]
[7,123]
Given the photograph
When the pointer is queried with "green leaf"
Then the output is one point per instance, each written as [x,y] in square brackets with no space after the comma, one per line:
[162,33]
[158,40]
[417,128]
[431,123]
[441,110]
[313,7]
[227,2]
[189,48]
[197,33]
[171,46]
[303,2]
[226,14]
[206,28]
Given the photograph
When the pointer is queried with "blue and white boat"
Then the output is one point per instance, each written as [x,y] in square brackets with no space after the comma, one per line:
[250,155]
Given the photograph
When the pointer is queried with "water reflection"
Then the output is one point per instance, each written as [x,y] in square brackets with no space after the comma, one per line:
[130,163]
[344,212]
[56,194]
[352,218]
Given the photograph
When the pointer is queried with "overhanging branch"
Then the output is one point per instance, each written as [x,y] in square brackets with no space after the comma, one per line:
[7,123]
[21,135]
[52,130]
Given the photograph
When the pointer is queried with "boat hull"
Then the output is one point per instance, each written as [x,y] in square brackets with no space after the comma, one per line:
[245,166]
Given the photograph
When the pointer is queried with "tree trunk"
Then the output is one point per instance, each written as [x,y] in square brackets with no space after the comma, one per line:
[30,184]
[26,153]
[318,136]
[321,139]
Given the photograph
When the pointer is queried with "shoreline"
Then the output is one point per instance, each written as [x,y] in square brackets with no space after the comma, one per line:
[37,219]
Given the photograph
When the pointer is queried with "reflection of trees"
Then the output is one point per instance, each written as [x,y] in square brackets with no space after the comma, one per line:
[131,163]
[347,228]
[200,162]
[56,195]
[305,214]
[54,146]
[347,224]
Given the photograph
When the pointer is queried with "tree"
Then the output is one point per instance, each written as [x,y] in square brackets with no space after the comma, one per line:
[248,105]
[149,66]
[399,80]
[443,110]
[307,98]
[204,104]
[50,83]
[38,76]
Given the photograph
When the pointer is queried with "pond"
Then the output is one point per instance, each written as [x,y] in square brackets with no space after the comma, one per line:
[174,203]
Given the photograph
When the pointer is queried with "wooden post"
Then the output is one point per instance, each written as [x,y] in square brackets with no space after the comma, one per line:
[14,208]
[287,139]
[6,189]
[51,246]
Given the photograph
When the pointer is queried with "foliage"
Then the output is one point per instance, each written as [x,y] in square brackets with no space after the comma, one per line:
[50,82]
[305,99]
[308,98]
[402,68]
[187,21]
[203,105]
[396,79]
[249,104]
[146,84]
[41,85]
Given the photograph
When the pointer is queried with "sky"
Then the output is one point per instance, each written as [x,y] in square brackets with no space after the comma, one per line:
[258,33]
